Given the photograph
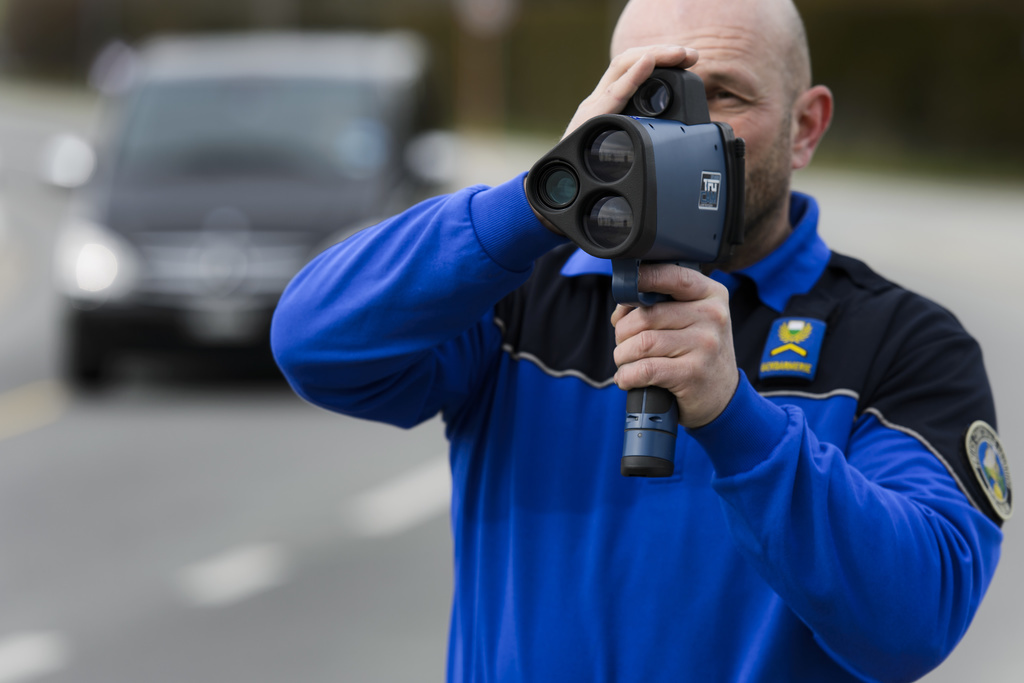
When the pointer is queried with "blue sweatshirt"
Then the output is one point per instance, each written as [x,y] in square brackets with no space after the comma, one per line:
[827,526]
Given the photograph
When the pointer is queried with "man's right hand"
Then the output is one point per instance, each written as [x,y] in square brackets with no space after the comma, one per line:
[625,74]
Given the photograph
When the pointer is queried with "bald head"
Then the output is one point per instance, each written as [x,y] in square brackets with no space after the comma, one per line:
[756,70]
[770,31]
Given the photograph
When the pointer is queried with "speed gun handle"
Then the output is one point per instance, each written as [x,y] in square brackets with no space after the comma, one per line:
[652,414]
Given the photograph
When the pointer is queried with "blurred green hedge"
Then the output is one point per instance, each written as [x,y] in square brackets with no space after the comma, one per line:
[937,84]
[937,81]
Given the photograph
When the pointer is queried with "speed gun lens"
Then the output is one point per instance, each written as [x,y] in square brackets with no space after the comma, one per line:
[559,187]
[611,155]
[610,222]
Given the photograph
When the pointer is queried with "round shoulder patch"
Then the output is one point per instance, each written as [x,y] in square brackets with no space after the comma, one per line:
[985,452]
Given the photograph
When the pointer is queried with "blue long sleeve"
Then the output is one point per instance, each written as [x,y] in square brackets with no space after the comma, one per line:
[876,550]
[371,327]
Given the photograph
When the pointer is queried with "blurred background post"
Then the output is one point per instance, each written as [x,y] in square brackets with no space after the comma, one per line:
[168,509]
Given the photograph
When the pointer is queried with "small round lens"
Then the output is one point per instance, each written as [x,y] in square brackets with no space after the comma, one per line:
[609,222]
[653,98]
[611,155]
[559,187]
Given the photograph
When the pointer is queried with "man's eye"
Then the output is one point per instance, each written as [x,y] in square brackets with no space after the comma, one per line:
[722,95]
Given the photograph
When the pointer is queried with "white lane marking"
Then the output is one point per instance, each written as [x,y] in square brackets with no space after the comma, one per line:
[31,407]
[234,575]
[12,266]
[402,503]
[26,656]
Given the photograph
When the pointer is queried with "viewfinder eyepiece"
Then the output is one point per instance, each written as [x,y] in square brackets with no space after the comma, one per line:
[653,97]
[609,222]
[611,155]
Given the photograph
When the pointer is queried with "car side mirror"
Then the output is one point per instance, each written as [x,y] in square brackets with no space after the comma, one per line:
[67,161]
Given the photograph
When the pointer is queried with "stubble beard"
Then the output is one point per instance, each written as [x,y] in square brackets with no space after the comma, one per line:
[766,198]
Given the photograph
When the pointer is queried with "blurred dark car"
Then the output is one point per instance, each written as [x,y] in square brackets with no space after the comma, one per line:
[226,163]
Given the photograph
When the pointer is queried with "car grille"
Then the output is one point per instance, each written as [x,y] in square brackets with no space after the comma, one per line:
[253,265]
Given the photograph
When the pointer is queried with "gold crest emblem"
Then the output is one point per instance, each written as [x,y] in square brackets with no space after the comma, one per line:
[795,331]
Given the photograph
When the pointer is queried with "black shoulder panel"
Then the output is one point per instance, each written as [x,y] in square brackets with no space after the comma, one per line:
[908,360]
[930,378]
[568,329]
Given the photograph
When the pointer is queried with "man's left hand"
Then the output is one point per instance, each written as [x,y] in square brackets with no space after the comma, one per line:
[683,345]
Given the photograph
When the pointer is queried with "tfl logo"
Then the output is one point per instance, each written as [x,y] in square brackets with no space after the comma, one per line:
[710,183]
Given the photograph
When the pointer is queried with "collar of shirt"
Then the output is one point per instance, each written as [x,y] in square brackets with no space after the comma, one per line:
[790,270]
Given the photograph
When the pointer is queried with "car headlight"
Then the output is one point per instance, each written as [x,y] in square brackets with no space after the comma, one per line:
[94,264]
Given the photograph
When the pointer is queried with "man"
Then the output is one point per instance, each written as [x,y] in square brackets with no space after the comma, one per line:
[827,522]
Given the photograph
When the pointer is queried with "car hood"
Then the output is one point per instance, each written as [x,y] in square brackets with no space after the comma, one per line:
[254,206]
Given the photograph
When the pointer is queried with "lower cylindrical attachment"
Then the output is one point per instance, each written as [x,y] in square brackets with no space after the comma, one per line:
[636,466]
[649,445]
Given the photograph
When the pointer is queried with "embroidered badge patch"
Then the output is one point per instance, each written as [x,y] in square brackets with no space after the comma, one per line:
[792,349]
[985,452]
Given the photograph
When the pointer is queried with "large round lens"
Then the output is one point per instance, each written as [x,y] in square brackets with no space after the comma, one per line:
[609,222]
[653,98]
[611,155]
[559,187]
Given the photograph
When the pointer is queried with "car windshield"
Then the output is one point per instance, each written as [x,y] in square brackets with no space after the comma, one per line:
[267,127]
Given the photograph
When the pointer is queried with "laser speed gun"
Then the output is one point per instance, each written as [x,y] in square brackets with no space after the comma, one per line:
[658,183]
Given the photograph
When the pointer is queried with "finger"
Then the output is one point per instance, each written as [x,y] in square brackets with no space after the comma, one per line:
[624,75]
[620,312]
[668,315]
[618,92]
[660,55]
[653,372]
[664,344]
[682,284]
[672,55]
[701,392]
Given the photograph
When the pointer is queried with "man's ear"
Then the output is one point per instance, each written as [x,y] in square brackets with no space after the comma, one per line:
[812,114]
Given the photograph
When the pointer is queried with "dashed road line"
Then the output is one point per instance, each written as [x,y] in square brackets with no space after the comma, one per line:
[31,406]
[389,509]
[402,503]
[234,575]
[31,655]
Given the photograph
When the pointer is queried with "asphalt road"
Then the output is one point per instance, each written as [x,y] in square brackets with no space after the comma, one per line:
[189,524]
